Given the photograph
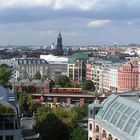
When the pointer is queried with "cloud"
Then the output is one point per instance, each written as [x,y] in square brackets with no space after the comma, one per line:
[98,23]
[54,4]
[97,5]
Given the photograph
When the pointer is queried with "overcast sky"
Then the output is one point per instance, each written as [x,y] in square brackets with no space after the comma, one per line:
[81,22]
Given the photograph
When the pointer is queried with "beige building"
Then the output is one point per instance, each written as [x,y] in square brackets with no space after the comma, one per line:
[27,68]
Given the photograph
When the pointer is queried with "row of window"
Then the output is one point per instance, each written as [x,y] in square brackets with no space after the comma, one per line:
[7,137]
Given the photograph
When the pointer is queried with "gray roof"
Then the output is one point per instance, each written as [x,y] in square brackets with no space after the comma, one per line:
[121,117]
[32,61]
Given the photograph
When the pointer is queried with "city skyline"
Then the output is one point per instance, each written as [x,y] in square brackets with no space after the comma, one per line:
[81,22]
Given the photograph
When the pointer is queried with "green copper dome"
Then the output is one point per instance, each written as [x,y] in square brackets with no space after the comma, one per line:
[77,56]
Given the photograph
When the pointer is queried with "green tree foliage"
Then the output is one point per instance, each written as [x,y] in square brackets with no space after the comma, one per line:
[82,111]
[79,134]
[52,128]
[37,75]
[26,104]
[55,124]
[51,84]
[88,85]
[68,117]
[6,110]
[5,74]
[63,81]
[23,102]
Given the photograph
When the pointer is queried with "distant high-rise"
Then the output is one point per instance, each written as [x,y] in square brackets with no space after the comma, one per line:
[59,50]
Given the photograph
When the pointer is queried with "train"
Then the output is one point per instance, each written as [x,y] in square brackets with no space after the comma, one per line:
[66,90]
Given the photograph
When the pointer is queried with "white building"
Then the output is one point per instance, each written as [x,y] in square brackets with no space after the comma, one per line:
[57,65]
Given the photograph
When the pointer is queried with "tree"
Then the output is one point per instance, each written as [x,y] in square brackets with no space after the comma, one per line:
[55,124]
[79,134]
[27,105]
[51,84]
[37,75]
[6,110]
[88,85]
[82,111]
[52,128]
[63,81]
[5,74]
[23,103]
[68,117]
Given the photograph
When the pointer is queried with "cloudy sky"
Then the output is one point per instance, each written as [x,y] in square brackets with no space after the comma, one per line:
[81,22]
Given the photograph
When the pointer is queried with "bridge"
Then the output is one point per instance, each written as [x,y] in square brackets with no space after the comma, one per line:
[70,98]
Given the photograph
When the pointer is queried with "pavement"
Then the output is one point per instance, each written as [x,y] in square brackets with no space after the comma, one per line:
[27,129]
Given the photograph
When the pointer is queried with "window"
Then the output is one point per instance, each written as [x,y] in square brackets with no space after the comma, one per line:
[136,128]
[91,112]
[9,138]
[90,126]
[1,137]
[90,138]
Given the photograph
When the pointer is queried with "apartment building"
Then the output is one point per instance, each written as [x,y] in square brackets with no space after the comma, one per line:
[27,67]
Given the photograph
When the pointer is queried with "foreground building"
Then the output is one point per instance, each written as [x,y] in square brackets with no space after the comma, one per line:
[9,124]
[116,118]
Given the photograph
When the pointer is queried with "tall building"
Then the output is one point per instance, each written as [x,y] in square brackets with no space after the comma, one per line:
[59,49]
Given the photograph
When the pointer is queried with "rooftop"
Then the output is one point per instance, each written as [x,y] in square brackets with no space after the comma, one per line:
[78,56]
[51,59]
[121,117]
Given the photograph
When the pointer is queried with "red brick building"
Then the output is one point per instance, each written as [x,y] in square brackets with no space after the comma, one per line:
[128,76]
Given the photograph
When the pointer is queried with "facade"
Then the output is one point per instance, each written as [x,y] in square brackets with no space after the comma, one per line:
[114,77]
[9,124]
[105,79]
[128,76]
[59,49]
[95,70]
[57,65]
[88,72]
[77,67]
[27,68]
[116,118]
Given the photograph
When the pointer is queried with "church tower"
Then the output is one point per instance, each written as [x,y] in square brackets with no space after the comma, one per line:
[59,50]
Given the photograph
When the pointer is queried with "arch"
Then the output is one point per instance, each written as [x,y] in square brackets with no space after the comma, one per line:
[110,137]
[97,128]
[104,134]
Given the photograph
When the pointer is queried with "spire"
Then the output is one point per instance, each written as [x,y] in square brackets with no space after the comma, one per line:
[59,49]
[59,35]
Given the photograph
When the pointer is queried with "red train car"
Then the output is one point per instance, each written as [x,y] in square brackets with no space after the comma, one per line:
[67,90]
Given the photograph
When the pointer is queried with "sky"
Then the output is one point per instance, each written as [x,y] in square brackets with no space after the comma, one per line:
[81,22]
